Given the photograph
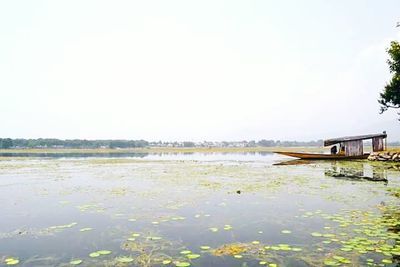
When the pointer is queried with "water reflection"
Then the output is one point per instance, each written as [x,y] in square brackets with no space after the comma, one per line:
[356,170]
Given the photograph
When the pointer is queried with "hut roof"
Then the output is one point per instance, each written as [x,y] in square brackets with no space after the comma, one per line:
[333,141]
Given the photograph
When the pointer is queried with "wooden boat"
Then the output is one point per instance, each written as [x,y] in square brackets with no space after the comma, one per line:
[315,156]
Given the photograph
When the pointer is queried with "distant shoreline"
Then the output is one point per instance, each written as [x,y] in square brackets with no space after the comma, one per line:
[155,150]
[158,150]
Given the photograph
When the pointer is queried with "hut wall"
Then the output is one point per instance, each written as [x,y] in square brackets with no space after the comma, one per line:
[354,148]
[377,144]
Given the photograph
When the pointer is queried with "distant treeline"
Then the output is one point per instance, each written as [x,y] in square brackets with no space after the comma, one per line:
[75,143]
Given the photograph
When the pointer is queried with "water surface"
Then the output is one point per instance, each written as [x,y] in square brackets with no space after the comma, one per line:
[160,209]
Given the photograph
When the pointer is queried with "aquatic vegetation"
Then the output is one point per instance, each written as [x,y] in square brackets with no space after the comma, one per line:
[193,256]
[75,262]
[166,262]
[227,227]
[294,215]
[124,259]
[182,264]
[59,227]
[85,229]
[11,261]
[94,254]
[230,249]
[104,252]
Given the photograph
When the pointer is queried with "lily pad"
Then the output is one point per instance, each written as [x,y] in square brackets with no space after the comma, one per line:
[204,247]
[331,262]
[166,262]
[94,254]
[75,262]
[11,261]
[185,252]
[193,256]
[124,259]
[182,264]
[286,232]
[104,252]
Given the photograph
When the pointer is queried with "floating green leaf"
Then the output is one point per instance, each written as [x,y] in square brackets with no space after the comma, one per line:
[94,254]
[193,256]
[124,259]
[182,264]
[11,261]
[75,262]
[104,252]
[331,262]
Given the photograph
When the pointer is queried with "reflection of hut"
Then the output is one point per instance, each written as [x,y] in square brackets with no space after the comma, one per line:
[353,145]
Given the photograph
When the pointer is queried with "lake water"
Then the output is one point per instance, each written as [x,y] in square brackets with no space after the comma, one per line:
[197,210]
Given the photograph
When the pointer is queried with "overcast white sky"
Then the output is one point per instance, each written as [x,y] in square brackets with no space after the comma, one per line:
[195,70]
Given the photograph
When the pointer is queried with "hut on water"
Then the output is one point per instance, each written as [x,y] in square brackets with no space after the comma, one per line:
[353,145]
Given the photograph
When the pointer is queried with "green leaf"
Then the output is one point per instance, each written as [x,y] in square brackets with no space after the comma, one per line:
[94,254]
[104,252]
[193,256]
[75,262]
[124,259]
[182,264]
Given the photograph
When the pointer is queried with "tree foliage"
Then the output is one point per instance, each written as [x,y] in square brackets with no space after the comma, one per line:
[6,142]
[390,97]
[73,143]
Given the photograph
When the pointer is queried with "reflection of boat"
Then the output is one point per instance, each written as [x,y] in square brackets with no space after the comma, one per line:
[314,156]
[294,162]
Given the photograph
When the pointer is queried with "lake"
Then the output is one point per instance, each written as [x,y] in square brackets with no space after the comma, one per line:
[214,209]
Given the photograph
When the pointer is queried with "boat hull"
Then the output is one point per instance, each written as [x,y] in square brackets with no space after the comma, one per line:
[315,156]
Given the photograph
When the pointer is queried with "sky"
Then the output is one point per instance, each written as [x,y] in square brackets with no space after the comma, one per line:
[195,70]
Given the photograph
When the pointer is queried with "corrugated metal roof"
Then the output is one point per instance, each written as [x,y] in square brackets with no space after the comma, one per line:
[333,141]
